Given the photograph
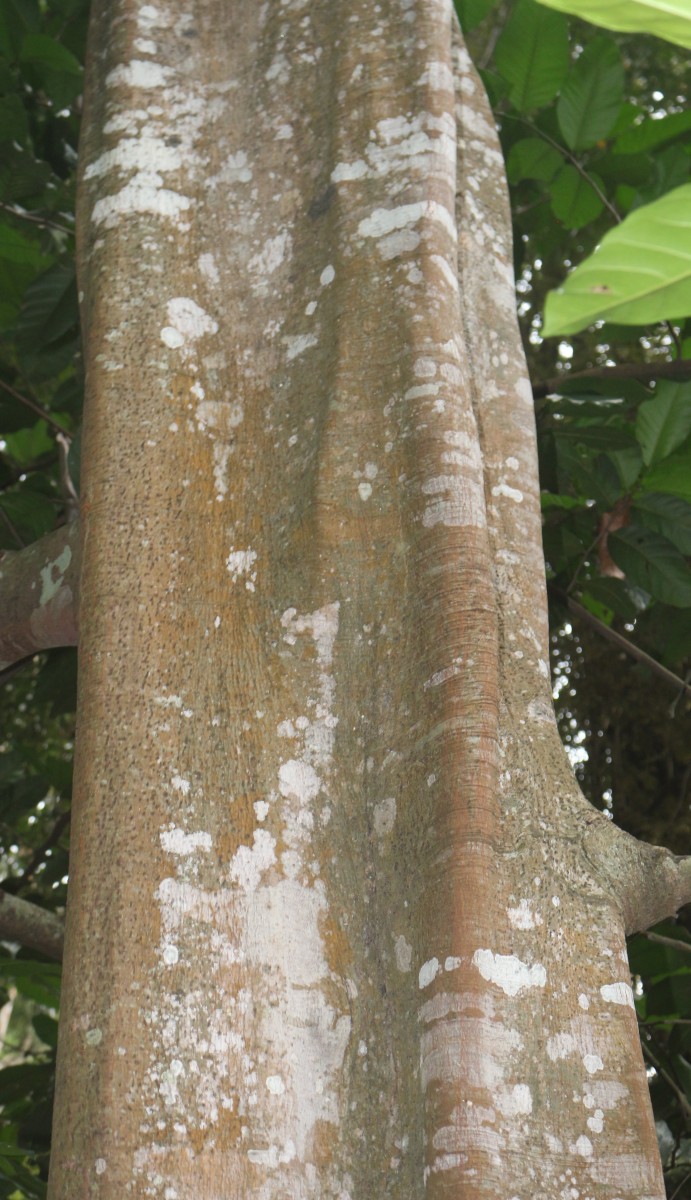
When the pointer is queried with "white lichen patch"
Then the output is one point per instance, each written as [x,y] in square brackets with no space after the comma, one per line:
[514,1101]
[383,221]
[596,1123]
[299,780]
[523,916]
[561,1045]
[180,784]
[593,1063]
[503,489]
[457,501]
[52,575]
[384,817]
[583,1146]
[509,972]
[273,253]
[296,346]
[187,322]
[240,564]
[617,993]
[208,268]
[138,74]
[428,971]
[176,841]
[403,952]
[249,864]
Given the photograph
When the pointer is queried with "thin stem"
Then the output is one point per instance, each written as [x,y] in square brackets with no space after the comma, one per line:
[675,943]
[581,562]
[624,644]
[680,368]
[677,1191]
[574,162]
[664,1074]
[10,525]
[35,408]
[44,222]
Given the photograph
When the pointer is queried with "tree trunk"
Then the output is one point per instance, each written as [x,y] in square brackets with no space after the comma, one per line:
[340,922]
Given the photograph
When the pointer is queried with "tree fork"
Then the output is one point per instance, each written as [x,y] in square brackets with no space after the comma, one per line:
[340,923]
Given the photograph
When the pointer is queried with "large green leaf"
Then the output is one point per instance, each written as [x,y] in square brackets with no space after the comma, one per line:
[672,475]
[533,55]
[592,95]
[472,12]
[640,273]
[653,563]
[652,132]
[532,158]
[662,424]
[574,200]
[47,326]
[19,249]
[669,19]
[668,515]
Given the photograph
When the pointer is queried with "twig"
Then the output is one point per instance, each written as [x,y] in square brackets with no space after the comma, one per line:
[40,853]
[623,643]
[10,525]
[45,222]
[573,160]
[683,1102]
[680,368]
[677,1191]
[35,407]
[675,943]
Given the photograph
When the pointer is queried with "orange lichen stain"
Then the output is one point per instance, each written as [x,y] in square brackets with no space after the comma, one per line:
[324,1140]
[336,944]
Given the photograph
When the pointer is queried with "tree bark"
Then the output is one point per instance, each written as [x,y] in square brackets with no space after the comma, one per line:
[340,922]
[39,592]
[31,926]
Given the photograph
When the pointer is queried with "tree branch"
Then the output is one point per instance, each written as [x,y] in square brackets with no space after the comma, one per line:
[39,595]
[633,651]
[680,369]
[31,926]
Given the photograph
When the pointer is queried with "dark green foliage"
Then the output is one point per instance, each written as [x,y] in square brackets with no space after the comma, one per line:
[41,56]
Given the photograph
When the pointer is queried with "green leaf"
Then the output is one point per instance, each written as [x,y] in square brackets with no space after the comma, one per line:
[19,249]
[533,55]
[472,12]
[653,563]
[592,95]
[612,594]
[16,17]
[601,437]
[668,515]
[640,273]
[13,122]
[574,201]
[40,49]
[532,158]
[30,514]
[651,133]
[49,308]
[672,475]
[667,19]
[664,423]
[552,500]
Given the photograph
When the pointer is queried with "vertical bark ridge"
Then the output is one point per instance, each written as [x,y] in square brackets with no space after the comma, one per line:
[297,679]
